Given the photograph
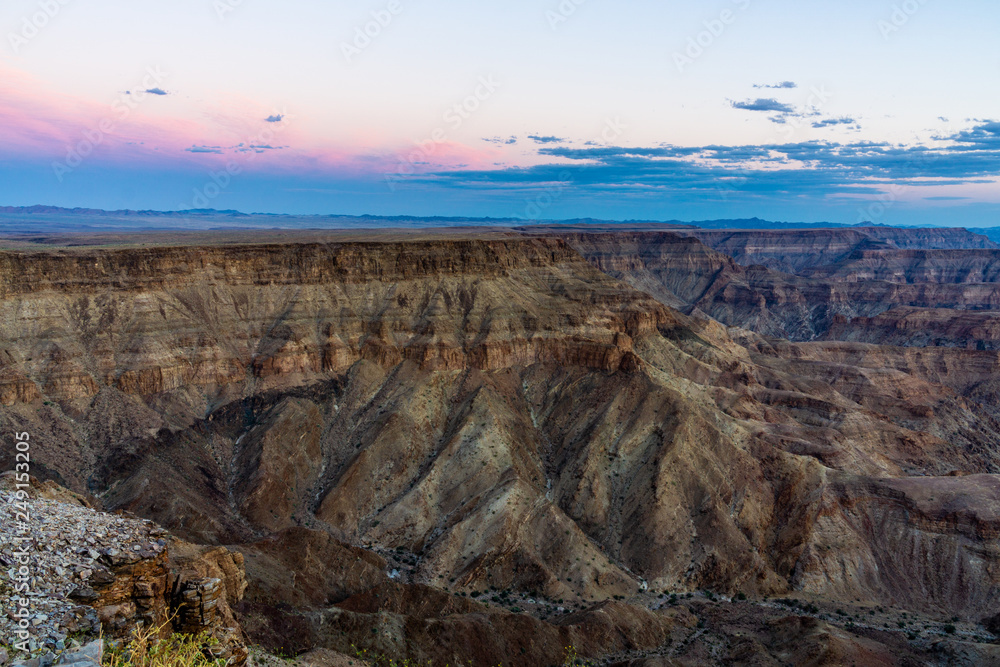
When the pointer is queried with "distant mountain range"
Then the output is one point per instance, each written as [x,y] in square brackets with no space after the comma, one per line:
[35,219]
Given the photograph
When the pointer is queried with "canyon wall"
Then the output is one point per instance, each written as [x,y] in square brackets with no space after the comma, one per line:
[952,291]
[506,415]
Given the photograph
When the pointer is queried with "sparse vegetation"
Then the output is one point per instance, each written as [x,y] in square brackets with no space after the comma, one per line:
[572,658]
[146,649]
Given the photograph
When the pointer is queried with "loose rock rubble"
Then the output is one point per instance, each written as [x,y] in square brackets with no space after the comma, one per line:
[86,656]
[90,573]
[68,549]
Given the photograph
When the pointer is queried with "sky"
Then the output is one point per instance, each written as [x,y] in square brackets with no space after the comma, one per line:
[885,111]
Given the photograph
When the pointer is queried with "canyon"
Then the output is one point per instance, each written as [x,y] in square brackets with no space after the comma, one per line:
[863,290]
[658,445]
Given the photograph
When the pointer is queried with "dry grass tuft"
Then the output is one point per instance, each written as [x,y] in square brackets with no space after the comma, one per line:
[146,649]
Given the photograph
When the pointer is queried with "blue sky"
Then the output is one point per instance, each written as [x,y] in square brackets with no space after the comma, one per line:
[843,112]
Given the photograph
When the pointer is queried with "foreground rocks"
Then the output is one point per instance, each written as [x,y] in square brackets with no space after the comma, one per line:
[89,655]
[91,574]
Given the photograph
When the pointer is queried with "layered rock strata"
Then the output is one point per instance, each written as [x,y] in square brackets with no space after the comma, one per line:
[497,416]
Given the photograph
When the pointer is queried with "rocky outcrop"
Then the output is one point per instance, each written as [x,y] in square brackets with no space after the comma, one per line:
[90,655]
[92,574]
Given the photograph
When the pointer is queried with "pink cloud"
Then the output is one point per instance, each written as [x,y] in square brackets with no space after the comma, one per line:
[429,156]
[145,131]
[30,121]
[37,122]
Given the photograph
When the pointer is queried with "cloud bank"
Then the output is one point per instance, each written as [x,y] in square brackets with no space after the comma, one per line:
[815,169]
[764,104]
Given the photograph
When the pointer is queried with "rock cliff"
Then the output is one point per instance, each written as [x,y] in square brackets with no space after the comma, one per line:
[839,301]
[88,575]
[792,251]
[913,267]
